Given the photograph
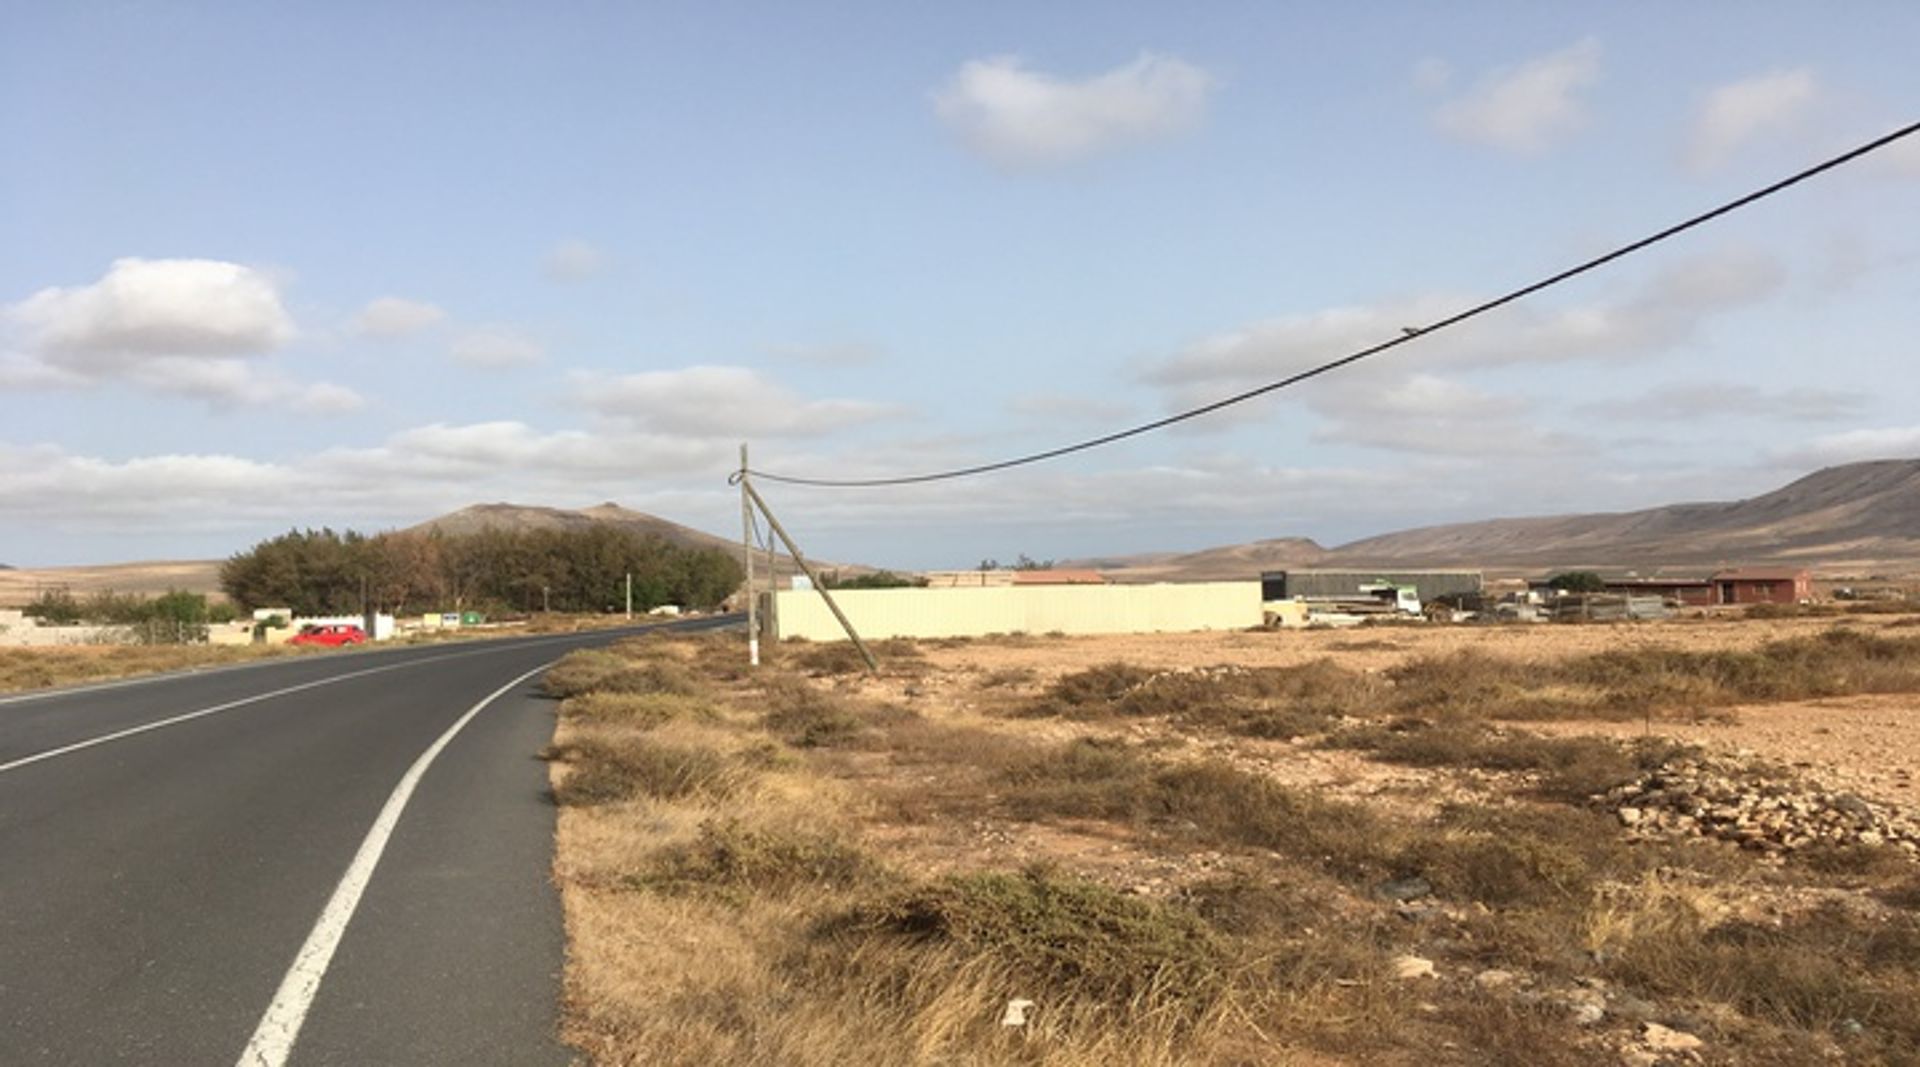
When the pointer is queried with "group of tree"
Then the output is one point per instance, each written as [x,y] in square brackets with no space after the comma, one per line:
[871,580]
[1577,582]
[172,617]
[321,572]
[1023,563]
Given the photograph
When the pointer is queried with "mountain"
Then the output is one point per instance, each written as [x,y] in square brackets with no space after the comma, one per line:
[1226,562]
[1860,517]
[520,517]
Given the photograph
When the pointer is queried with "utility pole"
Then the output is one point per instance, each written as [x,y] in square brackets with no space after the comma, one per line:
[746,542]
[629,595]
[873,665]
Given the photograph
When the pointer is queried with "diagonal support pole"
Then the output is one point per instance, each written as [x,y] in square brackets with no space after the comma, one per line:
[873,665]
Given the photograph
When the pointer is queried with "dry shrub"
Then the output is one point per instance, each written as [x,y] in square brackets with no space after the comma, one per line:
[807,717]
[1631,682]
[1215,802]
[1812,972]
[1567,768]
[1063,937]
[604,772]
[841,657]
[581,671]
[1500,1031]
[1090,692]
[1270,702]
[731,857]
[1008,678]
[1531,855]
[640,710]
[1469,684]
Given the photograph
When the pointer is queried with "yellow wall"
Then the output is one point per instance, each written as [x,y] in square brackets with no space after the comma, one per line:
[1073,609]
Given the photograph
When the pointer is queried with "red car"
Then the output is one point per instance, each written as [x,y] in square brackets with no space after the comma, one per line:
[332,635]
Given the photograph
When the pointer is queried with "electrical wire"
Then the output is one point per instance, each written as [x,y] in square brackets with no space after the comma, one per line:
[1407,336]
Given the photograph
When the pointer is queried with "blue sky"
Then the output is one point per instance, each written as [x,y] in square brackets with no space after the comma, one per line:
[273,265]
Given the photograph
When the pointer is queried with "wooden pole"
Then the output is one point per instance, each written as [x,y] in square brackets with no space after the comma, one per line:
[873,665]
[746,543]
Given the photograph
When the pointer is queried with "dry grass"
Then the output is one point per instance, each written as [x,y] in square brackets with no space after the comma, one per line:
[780,869]
[25,669]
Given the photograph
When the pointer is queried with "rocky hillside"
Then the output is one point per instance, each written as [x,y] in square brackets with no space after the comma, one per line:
[1858,516]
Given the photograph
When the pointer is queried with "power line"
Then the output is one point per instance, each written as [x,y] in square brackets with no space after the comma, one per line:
[1407,336]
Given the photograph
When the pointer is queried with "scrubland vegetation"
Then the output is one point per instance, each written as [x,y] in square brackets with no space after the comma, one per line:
[803,866]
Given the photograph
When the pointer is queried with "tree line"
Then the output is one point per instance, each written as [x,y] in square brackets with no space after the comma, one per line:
[323,572]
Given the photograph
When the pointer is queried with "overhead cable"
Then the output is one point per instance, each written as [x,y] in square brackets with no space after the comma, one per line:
[1407,336]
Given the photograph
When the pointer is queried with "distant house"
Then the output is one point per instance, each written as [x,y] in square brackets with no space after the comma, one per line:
[1692,592]
[1763,585]
[1737,585]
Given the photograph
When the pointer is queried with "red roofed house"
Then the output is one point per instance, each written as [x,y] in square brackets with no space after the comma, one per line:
[1763,585]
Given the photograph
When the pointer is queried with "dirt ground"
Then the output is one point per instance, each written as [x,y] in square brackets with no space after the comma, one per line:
[1866,744]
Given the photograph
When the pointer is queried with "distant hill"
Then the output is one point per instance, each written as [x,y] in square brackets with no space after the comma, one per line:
[1852,517]
[503,516]
[517,517]
[21,586]
[1229,561]
[1856,518]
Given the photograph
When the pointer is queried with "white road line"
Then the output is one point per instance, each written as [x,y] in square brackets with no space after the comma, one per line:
[191,715]
[203,672]
[279,1028]
[258,697]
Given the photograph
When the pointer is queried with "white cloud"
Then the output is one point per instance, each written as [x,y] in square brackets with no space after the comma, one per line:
[1024,118]
[1892,442]
[1667,309]
[392,316]
[326,398]
[1699,400]
[496,347]
[728,403]
[1734,114]
[187,327]
[1525,108]
[573,260]
[156,307]
[408,477]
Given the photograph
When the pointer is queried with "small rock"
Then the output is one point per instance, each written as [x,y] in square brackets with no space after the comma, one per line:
[1016,1013]
[1408,967]
[1660,1039]
[1586,1006]
[1494,978]
[1631,816]
[1404,888]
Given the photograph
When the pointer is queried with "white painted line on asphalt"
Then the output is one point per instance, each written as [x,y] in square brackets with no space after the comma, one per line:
[279,1028]
[258,697]
[495,645]
[191,715]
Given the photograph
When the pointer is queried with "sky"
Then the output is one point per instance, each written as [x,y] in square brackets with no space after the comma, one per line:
[275,265]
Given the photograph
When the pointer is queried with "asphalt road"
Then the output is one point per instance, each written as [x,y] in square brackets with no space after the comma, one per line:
[172,851]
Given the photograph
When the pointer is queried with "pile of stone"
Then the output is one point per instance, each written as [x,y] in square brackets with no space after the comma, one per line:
[1755,807]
